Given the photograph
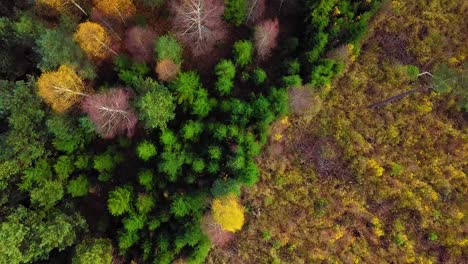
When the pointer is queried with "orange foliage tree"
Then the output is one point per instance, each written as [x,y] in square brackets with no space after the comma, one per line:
[123,9]
[61,89]
[94,40]
[167,70]
[228,213]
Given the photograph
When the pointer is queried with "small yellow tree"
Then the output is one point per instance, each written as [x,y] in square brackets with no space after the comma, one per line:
[228,213]
[61,89]
[117,8]
[94,40]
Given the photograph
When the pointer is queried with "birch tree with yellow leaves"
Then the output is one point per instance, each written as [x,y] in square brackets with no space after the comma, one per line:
[61,89]
[94,40]
[122,9]
[228,213]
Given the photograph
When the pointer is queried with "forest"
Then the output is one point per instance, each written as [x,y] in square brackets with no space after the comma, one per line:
[233,131]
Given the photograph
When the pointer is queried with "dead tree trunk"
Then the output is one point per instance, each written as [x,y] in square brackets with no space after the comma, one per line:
[397,97]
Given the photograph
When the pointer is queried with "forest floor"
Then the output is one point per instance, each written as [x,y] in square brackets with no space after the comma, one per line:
[355,184]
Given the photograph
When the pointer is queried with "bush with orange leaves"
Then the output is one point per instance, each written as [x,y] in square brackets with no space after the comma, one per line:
[167,70]
[61,89]
[228,213]
[93,40]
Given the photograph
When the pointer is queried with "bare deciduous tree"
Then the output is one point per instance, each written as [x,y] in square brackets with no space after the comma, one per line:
[110,112]
[266,37]
[198,23]
[215,233]
[139,43]
[256,10]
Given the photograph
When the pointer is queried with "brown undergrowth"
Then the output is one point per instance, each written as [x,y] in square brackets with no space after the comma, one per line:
[360,185]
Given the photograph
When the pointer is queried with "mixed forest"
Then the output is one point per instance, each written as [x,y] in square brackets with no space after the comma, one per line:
[233,131]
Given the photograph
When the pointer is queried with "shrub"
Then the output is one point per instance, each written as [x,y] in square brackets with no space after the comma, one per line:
[93,250]
[145,203]
[215,152]
[133,223]
[202,105]
[47,194]
[104,162]
[192,130]
[127,240]
[119,201]
[185,86]
[145,178]
[78,187]
[224,187]
[225,71]
[167,47]
[130,72]
[292,81]
[156,107]
[64,167]
[259,76]
[146,150]
[235,11]
[183,205]
[243,50]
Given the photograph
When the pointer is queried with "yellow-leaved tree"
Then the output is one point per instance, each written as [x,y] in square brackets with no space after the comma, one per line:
[61,89]
[93,40]
[117,8]
[58,6]
[228,213]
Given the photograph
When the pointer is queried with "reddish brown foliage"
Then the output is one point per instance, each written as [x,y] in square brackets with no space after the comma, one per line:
[110,112]
[139,43]
[167,70]
[256,10]
[199,24]
[266,37]
[215,233]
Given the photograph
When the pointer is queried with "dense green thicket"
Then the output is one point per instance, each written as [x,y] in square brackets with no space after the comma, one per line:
[195,140]
[329,25]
